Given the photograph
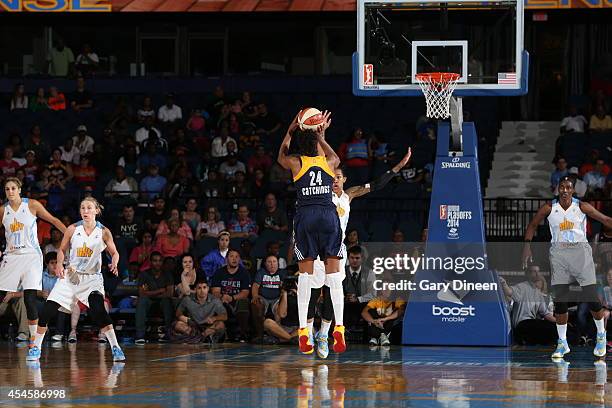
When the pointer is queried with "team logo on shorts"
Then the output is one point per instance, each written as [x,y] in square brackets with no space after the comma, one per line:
[84,251]
[16,226]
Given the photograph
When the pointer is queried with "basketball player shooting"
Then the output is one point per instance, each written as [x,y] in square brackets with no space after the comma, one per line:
[316,226]
[571,259]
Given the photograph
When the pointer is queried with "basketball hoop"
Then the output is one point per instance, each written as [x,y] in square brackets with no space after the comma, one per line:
[438,88]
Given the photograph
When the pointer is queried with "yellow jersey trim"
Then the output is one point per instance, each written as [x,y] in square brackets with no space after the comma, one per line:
[308,162]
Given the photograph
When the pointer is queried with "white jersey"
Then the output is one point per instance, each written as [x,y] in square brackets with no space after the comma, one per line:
[343,207]
[567,225]
[86,250]
[20,230]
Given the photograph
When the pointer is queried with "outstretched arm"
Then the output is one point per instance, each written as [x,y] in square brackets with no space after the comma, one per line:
[590,211]
[542,213]
[381,182]
[286,161]
[38,210]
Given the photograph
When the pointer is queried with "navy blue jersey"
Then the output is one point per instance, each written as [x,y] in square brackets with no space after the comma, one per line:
[314,182]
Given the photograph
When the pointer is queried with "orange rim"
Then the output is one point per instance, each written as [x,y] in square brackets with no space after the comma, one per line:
[438,77]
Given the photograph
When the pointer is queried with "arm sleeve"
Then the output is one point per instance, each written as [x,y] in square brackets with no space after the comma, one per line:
[382,181]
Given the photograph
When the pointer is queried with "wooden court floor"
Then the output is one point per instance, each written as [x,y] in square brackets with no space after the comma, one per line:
[238,375]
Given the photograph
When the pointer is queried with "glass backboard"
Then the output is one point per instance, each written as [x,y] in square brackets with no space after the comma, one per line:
[481,41]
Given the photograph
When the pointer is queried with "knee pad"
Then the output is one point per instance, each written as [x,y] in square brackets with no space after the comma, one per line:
[49,311]
[314,298]
[29,298]
[97,310]
[560,307]
[560,293]
[589,294]
[334,280]
[327,311]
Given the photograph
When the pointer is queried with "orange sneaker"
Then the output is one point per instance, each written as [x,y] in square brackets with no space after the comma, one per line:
[305,340]
[339,343]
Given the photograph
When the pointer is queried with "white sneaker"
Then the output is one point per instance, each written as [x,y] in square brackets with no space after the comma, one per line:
[384,340]
[22,337]
[72,338]
[373,341]
[57,337]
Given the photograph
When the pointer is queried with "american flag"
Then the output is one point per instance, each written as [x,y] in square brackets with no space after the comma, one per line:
[506,78]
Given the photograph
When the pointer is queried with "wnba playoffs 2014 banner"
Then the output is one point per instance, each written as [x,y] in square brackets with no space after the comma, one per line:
[460,304]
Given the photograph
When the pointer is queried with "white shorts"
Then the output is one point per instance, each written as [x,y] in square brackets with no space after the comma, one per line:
[21,271]
[318,275]
[65,293]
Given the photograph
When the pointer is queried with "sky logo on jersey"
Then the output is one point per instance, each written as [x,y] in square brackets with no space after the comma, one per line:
[84,251]
[566,225]
[16,226]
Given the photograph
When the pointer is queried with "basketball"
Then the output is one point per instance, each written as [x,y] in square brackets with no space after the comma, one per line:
[310,118]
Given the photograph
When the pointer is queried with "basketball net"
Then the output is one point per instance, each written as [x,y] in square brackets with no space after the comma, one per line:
[438,89]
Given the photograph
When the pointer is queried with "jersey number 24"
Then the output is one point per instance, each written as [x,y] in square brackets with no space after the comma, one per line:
[315,179]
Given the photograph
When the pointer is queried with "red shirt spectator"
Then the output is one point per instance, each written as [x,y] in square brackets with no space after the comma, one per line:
[172,244]
[30,168]
[587,167]
[259,161]
[43,229]
[7,164]
[57,100]
[85,173]
[142,252]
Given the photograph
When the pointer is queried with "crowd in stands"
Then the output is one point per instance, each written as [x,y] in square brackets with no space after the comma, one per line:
[584,150]
[199,209]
